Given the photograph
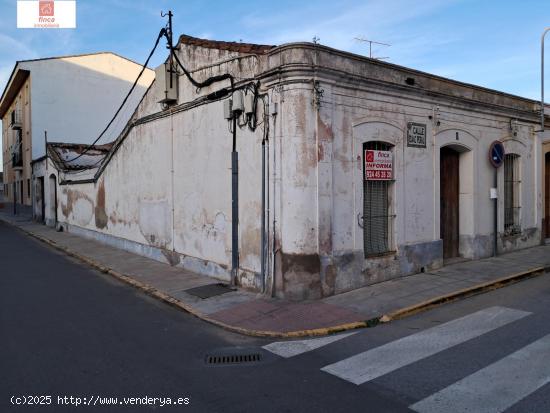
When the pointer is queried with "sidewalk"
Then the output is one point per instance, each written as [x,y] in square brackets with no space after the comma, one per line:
[254,314]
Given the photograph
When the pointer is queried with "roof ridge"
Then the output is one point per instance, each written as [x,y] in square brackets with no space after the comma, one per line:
[224,45]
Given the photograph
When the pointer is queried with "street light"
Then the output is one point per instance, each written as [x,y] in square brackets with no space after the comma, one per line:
[542,79]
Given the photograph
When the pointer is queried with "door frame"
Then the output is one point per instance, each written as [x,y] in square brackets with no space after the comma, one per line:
[451,242]
[42,199]
[466,143]
[53,187]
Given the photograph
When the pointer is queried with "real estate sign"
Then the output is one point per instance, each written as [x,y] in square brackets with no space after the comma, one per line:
[46,14]
[378,165]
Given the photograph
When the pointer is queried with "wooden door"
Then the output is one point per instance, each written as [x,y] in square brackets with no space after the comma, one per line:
[42,199]
[547,195]
[449,187]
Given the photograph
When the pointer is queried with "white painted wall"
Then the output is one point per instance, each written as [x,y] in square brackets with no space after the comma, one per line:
[74,98]
[168,186]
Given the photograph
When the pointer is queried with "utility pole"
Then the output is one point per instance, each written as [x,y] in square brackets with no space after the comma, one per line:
[170,45]
[370,42]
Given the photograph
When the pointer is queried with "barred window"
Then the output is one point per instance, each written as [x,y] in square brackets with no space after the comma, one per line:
[511,194]
[376,209]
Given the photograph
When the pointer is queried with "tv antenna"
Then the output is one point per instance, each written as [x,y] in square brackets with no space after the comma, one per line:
[371,42]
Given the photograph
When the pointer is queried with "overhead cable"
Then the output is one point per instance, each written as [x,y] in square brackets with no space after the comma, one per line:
[161,33]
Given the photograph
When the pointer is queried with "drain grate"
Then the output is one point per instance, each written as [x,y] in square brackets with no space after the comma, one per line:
[220,359]
[210,290]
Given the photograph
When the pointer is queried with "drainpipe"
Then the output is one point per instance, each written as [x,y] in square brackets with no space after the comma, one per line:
[263,216]
[172,172]
[265,195]
[542,79]
[268,258]
[273,246]
[234,205]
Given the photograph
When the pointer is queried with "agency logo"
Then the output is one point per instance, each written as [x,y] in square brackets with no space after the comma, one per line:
[46,14]
[46,7]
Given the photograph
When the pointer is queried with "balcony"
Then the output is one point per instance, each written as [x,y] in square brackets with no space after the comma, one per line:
[17,152]
[16,119]
[17,159]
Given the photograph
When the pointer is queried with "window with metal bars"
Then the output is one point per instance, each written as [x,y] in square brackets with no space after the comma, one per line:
[511,194]
[376,209]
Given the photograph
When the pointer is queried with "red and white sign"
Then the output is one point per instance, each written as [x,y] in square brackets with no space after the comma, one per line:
[46,14]
[378,165]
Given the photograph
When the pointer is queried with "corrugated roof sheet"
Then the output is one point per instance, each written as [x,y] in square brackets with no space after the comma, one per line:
[64,154]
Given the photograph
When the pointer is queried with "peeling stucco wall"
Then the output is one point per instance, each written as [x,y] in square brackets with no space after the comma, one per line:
[168,188]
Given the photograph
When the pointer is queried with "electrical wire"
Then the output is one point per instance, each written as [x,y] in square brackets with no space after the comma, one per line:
[198,85]
[207,82]
[161,33]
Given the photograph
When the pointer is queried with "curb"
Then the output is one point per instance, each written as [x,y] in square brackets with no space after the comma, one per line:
[394,315]
[464,293]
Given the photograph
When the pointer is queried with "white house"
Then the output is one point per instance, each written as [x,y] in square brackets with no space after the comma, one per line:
[372,170]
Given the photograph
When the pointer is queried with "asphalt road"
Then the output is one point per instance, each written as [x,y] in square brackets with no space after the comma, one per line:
[67,330]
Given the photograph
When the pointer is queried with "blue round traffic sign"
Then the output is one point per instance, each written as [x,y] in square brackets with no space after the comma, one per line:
[496,154]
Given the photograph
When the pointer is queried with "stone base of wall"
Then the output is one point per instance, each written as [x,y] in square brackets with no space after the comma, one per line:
[313,277]
[221,272]
[529,237]
[475,247]
[307,277]
[355,271]
[482,246]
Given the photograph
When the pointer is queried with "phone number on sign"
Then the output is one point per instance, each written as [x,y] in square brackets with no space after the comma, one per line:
[382,175]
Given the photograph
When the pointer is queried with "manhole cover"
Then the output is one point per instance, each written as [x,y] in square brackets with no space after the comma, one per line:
[210,290]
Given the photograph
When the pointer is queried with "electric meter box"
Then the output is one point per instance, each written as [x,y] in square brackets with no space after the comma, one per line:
[249,103]
[238,102]
[168,91]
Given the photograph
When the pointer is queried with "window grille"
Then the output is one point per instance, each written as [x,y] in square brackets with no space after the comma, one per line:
[511,194]
[376,210]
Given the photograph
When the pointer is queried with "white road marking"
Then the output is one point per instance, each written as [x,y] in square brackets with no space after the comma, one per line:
[374,363]
[496,387]
[288,349]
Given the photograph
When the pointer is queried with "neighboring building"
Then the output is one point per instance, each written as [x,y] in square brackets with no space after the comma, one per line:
[373,171]
[1,186]
[72,98]
[69,157]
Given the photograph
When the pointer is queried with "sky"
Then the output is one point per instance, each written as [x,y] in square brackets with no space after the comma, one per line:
[491,43]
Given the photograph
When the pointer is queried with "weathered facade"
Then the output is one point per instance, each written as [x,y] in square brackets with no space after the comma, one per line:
[69,157]
[164,189]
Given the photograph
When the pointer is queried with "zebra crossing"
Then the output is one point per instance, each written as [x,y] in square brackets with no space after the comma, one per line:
[493,388]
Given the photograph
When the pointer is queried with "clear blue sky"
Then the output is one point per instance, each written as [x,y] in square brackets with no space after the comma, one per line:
[491,43]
